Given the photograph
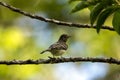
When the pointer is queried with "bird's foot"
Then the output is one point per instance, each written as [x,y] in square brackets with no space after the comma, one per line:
[62,57]
[51,57]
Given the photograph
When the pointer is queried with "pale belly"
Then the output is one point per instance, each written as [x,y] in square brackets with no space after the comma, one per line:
[58,52]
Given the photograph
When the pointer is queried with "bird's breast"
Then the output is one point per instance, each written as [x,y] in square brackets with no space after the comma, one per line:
[58,52]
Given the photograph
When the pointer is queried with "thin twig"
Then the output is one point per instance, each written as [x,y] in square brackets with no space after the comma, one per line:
[61,60]
[69,24]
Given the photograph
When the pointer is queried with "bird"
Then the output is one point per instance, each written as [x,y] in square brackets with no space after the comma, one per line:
[59,47]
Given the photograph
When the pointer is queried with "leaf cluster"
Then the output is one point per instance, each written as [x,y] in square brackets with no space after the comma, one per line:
[100,11]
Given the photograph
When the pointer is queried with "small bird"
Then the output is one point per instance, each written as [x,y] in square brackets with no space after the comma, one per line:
[58,48]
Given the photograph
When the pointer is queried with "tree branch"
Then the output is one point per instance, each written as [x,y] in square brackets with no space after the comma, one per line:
[57,60]
[61,60]
[69,24]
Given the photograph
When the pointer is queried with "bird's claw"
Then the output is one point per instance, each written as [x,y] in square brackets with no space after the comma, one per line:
[51,57]
[61,57]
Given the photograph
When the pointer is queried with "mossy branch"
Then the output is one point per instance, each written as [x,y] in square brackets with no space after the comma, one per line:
[61,60]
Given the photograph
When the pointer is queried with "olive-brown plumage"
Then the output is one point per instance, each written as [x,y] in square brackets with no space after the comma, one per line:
[58,48]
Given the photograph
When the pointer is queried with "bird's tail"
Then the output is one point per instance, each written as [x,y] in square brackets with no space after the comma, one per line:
[44,51]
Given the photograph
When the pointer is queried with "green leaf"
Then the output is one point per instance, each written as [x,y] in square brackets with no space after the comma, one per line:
[103,16]
[84,4]
[70,1]
[98,8]
[116,21]
[81,5]
[90,8]
[95,12]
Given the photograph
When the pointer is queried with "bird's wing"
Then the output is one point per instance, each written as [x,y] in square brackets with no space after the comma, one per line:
[59,46]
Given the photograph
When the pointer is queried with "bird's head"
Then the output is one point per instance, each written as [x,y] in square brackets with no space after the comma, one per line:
[63,38]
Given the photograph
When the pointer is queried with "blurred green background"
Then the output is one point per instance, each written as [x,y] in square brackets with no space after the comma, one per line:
[24,38]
